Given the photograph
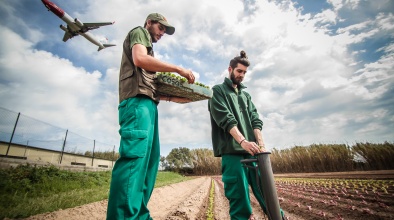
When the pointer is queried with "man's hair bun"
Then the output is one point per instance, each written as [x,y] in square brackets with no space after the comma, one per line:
[242,59]
[243,54]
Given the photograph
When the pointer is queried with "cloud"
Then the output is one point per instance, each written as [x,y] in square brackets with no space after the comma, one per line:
[308,77]
[37,83]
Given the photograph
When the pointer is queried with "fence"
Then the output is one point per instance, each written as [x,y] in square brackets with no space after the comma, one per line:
[22,136]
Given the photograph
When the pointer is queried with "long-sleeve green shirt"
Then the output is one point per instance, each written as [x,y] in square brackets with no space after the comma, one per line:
[229,108]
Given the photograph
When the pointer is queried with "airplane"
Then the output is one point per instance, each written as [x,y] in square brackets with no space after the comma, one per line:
[76,27]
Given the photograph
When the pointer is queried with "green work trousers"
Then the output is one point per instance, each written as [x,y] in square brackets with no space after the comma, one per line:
[237,179]
[134,173]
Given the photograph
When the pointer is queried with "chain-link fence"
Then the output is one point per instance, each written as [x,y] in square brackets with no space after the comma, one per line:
[20,130]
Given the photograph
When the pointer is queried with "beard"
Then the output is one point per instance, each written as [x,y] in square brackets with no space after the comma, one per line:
[151,32]
[236,81]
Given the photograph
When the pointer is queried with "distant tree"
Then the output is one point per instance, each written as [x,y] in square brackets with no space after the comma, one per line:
[164,163]
[179,158]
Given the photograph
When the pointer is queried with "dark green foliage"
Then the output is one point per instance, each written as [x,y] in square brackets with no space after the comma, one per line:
[105,155]
[35,179]
[192,162]
[179,158]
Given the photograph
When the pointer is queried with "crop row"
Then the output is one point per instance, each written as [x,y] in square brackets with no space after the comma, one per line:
[337,198]
[357,185]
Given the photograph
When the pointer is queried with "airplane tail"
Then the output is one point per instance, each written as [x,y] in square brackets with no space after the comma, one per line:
[105,46]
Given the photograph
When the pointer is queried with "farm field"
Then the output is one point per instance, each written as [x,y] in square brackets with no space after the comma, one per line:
[350,195]
[347,195]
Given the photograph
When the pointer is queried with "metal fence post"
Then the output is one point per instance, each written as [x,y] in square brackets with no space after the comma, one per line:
[64,145]
[12,135]
[94,146]
[27,144]
[113,156]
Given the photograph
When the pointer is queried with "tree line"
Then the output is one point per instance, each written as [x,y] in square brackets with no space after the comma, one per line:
[196,162]
[298,159]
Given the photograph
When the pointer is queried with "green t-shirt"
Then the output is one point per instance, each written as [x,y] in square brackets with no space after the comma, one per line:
[140,35]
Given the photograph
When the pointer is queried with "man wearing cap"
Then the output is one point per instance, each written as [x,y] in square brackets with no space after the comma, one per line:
[134,173]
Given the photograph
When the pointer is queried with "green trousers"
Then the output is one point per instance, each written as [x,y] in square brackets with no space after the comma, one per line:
[237,180]
[134,173]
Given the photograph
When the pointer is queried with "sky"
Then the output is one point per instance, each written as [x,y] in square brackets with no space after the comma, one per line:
[322,72]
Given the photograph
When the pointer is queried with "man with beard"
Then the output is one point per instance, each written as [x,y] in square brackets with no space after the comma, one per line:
[134,173]
[236,135]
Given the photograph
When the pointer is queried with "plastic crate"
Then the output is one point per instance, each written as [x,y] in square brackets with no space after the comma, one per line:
[174,86]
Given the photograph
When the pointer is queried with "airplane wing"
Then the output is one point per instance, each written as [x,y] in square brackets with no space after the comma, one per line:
[91,26]
[68,33]
[67,36]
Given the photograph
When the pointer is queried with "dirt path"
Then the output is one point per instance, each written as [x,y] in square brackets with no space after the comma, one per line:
[181,201]
[184,200]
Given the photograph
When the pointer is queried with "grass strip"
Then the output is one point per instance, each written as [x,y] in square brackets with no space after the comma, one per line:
[28,190]
[63,200]
[168,178]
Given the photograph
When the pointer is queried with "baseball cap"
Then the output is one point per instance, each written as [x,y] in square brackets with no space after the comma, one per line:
[162,20]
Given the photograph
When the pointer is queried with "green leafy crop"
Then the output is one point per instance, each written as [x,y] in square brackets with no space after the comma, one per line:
[180,78]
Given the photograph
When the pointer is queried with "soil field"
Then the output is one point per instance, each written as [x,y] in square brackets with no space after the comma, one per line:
[300,200]
[341,195]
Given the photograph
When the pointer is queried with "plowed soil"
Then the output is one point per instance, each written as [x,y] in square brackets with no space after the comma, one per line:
[189,200]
